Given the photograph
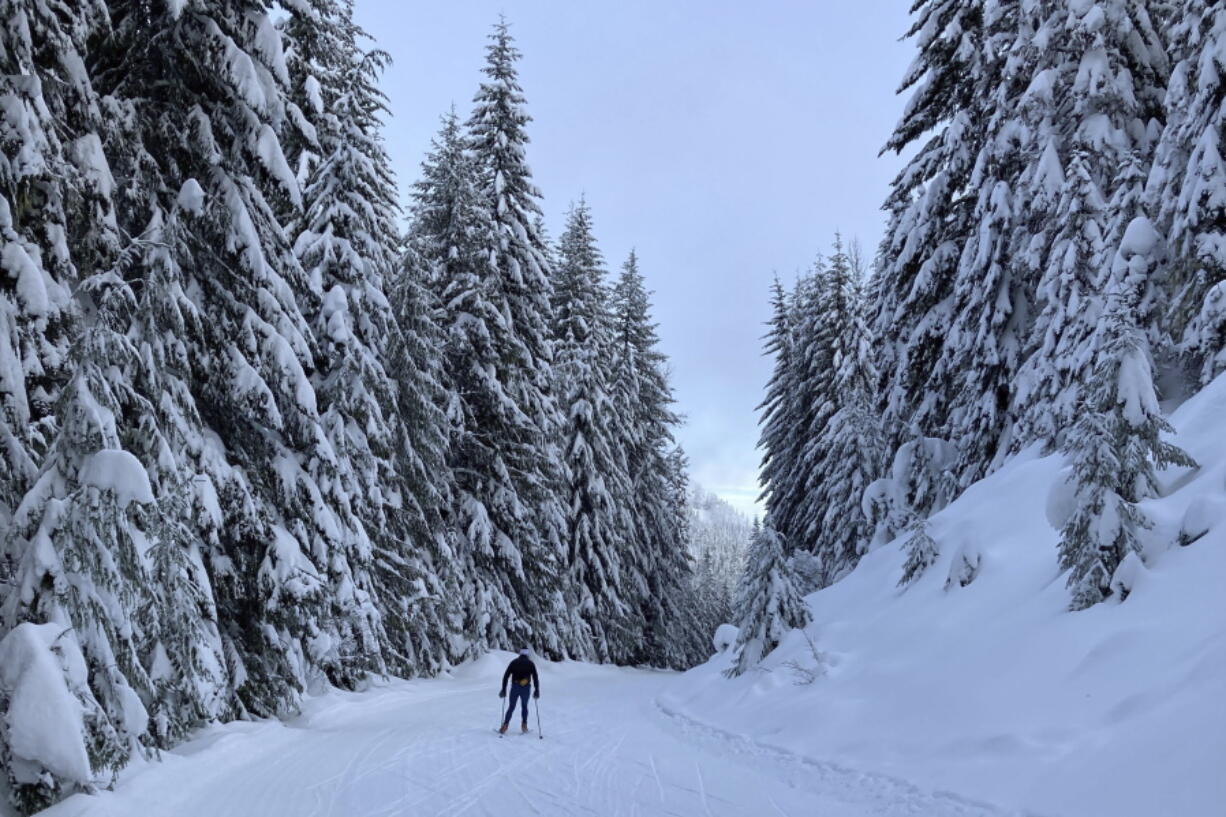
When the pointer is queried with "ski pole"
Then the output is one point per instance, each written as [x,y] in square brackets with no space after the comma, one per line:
[539,733]
[499,726]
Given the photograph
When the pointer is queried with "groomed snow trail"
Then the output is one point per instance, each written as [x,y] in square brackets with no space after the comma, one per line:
[429,748]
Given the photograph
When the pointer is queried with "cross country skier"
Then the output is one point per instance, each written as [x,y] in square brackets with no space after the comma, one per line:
[522,673]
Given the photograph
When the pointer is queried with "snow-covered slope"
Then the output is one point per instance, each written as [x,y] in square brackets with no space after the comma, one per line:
[994,690]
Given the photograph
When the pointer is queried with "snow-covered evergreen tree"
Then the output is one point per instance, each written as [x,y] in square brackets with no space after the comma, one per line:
[1187,188]
[921,549]
[476,231]
[822,445]
[657,571]
[347,242]
[672,630]
[991,293]
[450,225]
[799,404]
[598,498]
[1117,443]
[81,533]
[1094,106]
[203,90]
[768,601]
[345,239]
[781,435]
[919,482]
[1039,114]
[439,293]
[932,214]
[814,401]
[187,660]
[73,545]
[847,452]
[419,580]
[1061,354]
[42,102]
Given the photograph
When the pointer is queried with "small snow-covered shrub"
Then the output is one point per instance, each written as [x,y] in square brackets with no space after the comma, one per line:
[45,702]
[1203,513]
[808,671]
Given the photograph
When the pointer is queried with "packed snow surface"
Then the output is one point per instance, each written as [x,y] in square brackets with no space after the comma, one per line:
[429,747]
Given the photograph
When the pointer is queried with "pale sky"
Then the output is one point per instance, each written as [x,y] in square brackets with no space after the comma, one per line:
[725,140]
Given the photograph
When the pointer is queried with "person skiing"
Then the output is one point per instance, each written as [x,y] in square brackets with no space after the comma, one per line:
[523,677]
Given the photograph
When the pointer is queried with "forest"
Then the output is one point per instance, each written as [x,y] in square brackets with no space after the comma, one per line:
[276,422]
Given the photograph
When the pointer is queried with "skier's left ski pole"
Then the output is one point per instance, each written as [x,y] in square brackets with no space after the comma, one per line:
[539,733]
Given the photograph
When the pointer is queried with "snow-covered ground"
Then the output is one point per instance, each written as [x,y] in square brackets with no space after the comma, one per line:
[429,748]
[935,700]
[994,690]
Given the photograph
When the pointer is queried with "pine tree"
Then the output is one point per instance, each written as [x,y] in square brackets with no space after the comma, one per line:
[73,542]
[495,297]
[440,290]
[599,498]
[1116,444]
[919,482]
[768,603]
[992,293]
[450,227]
[40,42]
[203,91]
[1095,103]
[346,240]
[1011,92]
[719,536]
[1061,354]
[800,402]
[922,551]
[847,453]
[657,571]
[419,581]
[781,435]
[814,401]
[81,532]
[931,215]
[1186,187]
[187,660]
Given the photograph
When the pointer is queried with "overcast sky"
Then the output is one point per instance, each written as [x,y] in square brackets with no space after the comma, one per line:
[725,140]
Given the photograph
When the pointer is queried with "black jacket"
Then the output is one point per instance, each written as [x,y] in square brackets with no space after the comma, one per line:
[521,671]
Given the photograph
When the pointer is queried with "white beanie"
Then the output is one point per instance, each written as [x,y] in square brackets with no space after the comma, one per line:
[525,651]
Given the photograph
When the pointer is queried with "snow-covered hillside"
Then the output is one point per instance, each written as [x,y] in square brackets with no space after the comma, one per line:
[993,689]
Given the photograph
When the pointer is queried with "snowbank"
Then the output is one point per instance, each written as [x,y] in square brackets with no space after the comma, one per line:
[993,689]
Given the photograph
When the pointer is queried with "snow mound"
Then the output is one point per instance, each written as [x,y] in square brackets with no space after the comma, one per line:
[992,688]
[42,717]
[191,197]
[120,472]
[725,637]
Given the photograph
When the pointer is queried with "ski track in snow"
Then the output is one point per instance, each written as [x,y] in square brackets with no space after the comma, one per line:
[429,748]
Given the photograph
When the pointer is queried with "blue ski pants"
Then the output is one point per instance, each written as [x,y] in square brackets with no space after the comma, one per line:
[518,693]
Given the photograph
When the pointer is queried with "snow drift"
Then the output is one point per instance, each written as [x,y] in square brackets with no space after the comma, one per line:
[991,687]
